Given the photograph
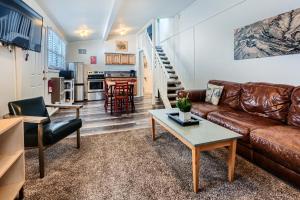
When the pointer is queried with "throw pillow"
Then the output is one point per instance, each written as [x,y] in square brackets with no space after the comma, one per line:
[213,94]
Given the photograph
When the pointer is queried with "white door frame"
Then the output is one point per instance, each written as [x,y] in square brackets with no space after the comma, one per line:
[141,71]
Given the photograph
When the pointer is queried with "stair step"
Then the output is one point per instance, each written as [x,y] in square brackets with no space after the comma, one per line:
[174,81]
[164,57]
[159,50]
[161,54]
[168,67]
[172,95]
[158,47]
[173,103]
[173,76]
[175,88]
[171,71]
[166,62]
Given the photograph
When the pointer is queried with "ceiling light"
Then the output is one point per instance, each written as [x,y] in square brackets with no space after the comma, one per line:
[84,31]
[123,32]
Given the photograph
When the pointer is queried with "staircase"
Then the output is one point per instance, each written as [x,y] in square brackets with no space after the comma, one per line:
[168,83]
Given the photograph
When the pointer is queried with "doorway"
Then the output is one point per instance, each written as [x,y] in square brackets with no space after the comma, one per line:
[146,75]
[30,72]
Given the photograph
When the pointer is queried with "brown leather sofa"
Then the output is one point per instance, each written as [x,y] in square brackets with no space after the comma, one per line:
[268,117]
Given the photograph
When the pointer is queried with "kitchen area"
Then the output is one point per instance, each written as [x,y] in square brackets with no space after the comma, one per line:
[90,65]
[89,84]
[94,83]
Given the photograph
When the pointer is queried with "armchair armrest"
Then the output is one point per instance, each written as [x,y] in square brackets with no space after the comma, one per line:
[67,106]
[28,119]
[64,106]
[194,95]
[35,120]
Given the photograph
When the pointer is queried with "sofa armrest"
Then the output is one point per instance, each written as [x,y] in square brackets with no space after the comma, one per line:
[194,95]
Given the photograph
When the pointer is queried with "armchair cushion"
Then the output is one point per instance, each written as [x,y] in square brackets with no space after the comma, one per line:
[53,132]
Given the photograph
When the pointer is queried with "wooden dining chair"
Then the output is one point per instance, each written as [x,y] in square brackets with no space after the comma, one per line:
[121,96]
[131,94]
[108,96]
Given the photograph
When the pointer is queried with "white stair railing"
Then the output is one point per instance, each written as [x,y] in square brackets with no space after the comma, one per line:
[161,76]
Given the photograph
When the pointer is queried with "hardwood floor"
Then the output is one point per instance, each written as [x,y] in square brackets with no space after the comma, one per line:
[97,121]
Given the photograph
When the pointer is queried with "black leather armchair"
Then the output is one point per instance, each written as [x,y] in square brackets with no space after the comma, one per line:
[39,131]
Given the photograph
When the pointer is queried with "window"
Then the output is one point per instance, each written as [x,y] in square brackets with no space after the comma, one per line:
[56,51]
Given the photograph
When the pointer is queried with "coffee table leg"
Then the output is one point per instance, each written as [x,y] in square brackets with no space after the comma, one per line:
[231,160]
[153,128]
[195,166]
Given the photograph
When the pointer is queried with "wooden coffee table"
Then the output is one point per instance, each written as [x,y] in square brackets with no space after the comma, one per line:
[206,136]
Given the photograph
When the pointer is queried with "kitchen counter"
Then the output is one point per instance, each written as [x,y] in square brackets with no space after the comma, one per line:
[119,74]
[121,77]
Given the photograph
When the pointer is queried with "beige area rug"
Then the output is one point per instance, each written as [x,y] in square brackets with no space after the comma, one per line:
[128,165]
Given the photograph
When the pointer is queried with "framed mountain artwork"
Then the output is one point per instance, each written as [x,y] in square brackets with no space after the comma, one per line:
[275,36]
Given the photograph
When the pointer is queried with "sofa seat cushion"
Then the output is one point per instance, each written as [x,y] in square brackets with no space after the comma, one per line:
[280,144]
[202,109]
[240,122]
[53,132]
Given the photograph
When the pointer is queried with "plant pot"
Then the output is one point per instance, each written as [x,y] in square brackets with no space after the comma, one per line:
[184,116]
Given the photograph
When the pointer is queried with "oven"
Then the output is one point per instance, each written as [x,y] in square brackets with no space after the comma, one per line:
[95,85]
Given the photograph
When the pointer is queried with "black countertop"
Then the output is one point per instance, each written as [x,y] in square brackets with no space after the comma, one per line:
[120,77]
[119,74]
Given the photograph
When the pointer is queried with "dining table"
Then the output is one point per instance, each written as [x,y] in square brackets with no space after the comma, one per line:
[111,84]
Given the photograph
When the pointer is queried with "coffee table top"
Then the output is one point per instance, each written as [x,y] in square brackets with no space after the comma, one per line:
[204,133]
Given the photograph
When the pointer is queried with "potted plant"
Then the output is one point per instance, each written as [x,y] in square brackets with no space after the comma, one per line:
[184,105]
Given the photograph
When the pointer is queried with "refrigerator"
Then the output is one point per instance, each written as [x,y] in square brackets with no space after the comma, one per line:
[78,69]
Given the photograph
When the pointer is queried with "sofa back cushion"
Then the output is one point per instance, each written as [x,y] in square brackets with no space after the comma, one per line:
[294,113]
[266,100]
[231,93]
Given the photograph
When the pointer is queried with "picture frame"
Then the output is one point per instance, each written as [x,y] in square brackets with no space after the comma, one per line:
[122,45]
[93,60]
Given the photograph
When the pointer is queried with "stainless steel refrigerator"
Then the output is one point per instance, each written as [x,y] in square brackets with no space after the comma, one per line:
[78,69]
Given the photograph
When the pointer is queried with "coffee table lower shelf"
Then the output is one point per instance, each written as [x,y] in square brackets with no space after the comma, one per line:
[230,143]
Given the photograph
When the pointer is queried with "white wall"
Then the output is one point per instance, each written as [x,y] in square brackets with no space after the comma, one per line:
[16,78]
[165,28]
[202,44]
[7,79]
[98,48]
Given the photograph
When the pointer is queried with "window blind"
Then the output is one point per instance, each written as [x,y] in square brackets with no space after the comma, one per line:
[56,51]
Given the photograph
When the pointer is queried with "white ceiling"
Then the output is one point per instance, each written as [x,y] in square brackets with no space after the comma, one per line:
[134,14]
[103,17]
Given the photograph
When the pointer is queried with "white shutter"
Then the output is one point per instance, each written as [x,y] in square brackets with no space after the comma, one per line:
[56,51]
